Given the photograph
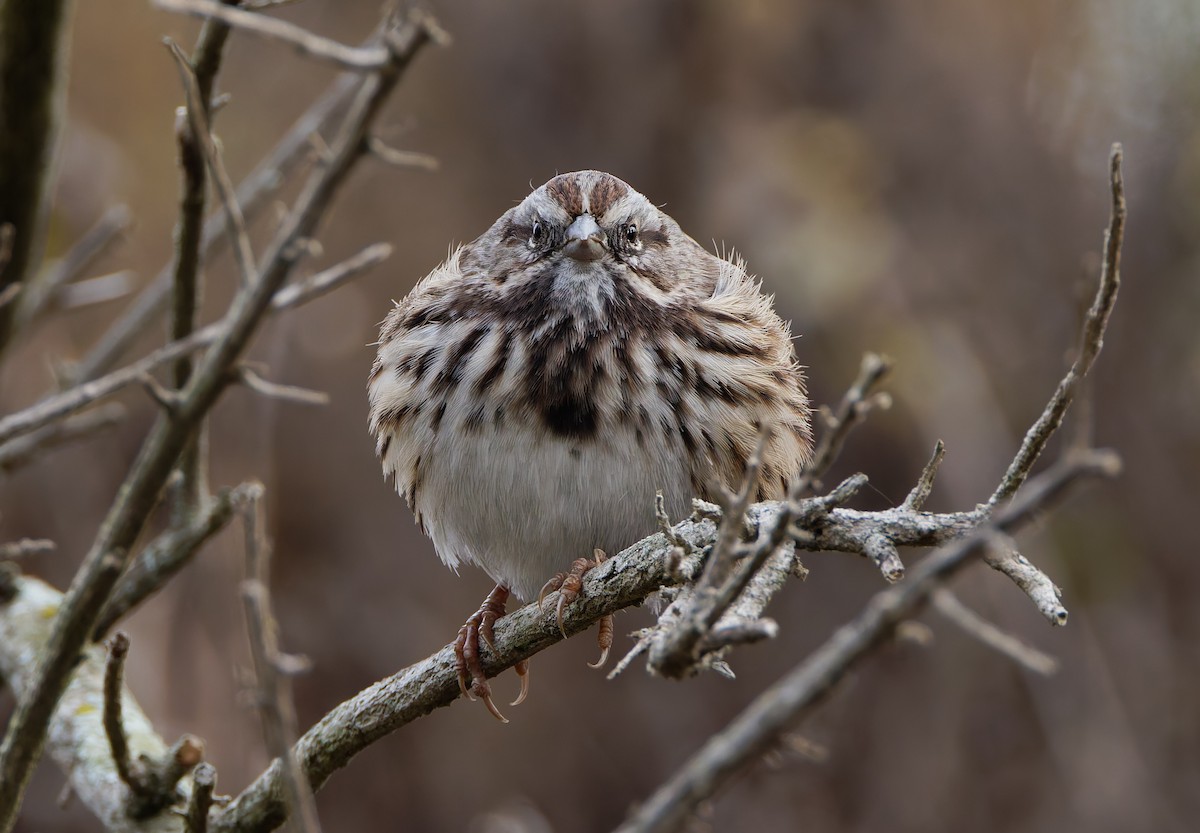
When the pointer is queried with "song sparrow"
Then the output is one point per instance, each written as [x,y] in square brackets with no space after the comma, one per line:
[533,392]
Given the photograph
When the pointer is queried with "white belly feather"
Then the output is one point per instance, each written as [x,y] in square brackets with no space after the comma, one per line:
[523,504]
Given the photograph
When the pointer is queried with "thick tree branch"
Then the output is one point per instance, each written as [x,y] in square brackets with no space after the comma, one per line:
[33,49]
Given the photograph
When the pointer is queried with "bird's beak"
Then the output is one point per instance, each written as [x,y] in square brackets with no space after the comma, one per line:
[585,240]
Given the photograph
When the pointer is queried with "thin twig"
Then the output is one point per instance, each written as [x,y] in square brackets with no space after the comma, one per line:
[253,195]
[139,493]
[24,450]
[114,725]
[25,547]
[187,279]
[273,390]
[402,158]
[971,623]
[1091,339]
[853,409]
[198,118]
[98,290]
[358,59]
[81,396]
[920,492]
[274,690]
[42,295]
[167,554]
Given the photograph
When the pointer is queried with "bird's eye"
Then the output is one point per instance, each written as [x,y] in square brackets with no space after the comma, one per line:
[536,234]
[631,234]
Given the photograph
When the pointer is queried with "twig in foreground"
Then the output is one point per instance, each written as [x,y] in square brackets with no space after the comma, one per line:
[788,701]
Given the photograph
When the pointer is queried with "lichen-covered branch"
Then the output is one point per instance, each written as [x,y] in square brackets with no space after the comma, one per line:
[76,738]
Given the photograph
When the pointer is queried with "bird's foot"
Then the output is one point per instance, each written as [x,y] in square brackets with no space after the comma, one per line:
[466,653]
[569,585]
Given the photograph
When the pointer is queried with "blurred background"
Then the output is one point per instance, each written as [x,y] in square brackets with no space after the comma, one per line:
[924,180]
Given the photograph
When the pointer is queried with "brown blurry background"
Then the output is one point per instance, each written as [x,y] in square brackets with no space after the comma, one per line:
[923,179]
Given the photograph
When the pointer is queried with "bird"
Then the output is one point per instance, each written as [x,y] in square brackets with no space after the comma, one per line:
[534,392]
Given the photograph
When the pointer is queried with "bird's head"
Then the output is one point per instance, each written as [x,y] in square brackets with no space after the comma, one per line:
[584,232]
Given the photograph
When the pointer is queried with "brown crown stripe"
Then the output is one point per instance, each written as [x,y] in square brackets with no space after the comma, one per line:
[566,192]
[606,191]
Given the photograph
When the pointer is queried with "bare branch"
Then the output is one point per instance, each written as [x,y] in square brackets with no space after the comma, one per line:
[253,195]
[187,282]
[7,233]
[274,690]
[77,741]
[951,607]
[204,781]
[98,290]
[24,450]
[402,158]
[24,547]
[81,396]
[779,708]
[621,581]
[1090,341]
[198,118]
[358,59]
[34,41]
[94,242]
[1036,584]
[94,581]
[114,724]
[166,555]
[920,492]
[853,409]
[272,390]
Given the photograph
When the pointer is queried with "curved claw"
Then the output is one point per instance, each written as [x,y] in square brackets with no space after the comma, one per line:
[600,662]
[486,696]
[522,669]
[558,613]
[604,639]
[555,582]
